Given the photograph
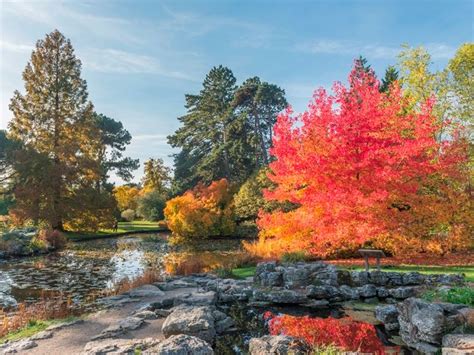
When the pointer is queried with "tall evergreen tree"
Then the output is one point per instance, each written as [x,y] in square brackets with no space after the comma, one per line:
[57,164]
[114,138]
[258,104]
[156,175]
[204,134]
[391,75]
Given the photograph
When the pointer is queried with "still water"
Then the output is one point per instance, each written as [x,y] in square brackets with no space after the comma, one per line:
[90,266]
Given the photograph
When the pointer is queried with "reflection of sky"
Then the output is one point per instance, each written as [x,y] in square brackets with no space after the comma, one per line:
[90,267]
[126,264]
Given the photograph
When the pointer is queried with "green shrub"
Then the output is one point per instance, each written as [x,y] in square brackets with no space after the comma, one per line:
[151,206]
[128,215]
[458,295]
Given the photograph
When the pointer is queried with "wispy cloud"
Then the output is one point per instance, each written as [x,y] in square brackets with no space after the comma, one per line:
[343,47]
[15,47]
[117,61]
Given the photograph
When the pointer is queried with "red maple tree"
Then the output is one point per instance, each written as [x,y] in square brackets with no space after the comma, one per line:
[353,163]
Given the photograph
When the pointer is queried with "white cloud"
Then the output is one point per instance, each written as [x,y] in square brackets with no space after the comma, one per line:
[342,47]
[15,47]
[110,60]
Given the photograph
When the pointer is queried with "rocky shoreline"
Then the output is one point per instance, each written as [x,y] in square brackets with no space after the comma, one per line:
[194,308]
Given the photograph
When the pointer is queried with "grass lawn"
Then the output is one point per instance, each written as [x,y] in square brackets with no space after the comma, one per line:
[243,272]
[467,270]
[33,328]
[427,269]
[123,227]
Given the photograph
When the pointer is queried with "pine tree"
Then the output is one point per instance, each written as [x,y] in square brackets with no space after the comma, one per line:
[206,127]
[157,176]
[259,103]
[57,164]
[114,138]
[391,76]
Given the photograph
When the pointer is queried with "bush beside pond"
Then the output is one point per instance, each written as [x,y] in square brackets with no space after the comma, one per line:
[29,241]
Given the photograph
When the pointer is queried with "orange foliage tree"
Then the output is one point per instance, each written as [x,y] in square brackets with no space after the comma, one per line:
[360,165]
[202,212]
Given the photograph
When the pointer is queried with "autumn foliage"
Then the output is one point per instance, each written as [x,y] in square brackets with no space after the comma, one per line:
[345,333]
[202,212]
[362,166]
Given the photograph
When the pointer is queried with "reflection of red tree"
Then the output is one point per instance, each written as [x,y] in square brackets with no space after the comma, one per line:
[344,333]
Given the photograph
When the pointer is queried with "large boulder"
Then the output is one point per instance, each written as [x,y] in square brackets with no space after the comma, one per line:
[181,345]
[423,324]
[388,315]
[277,345]
[196,321]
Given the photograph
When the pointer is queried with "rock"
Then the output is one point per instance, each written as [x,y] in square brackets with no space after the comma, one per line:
[181,345]
[367,291]
[146,314]
[413,278]
[322,292]
[262,271]
[402,292]
[145,291]
[294,277]
[116,301]
[17,346]
[273,279]
[344,277]
[348,293]
[388,315]
[166,302]
[325,274]
[468,315]
[224,325]
[162,313]
[378,278]
[124,325]
[191,320]
[458,344]
[421,321]
[280,297]
[394,279]
[197,299]
[45,334]
[175,284]
[119,346]
[277,345]
[382,292]
[359,278]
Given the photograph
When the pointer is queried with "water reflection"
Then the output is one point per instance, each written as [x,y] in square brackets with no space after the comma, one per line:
[79,271]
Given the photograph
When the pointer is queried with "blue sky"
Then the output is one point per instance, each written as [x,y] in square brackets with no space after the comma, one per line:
[141,57]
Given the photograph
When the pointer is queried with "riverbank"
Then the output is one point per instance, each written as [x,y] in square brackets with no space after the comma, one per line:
[218,315]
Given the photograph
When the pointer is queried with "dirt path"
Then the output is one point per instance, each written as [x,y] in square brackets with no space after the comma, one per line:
[72,339]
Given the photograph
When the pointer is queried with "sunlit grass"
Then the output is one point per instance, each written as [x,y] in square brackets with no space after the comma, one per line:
[33,327]
[468,271]
[123,228]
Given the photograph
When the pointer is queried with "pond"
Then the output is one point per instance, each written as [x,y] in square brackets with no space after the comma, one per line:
[88,267]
